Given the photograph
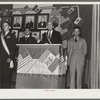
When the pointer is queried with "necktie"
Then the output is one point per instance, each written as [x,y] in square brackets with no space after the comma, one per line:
[49,35]
[75,39]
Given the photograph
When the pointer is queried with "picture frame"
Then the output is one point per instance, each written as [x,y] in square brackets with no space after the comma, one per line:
[30,21]
[21,34]
[36,34]
[8,19]
[15,32]
[17,22]
[55,19]
[43,31]
[65,93]
[42,21]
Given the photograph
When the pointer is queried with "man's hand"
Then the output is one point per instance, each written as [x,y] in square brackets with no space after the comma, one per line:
[11,64]
[8,60]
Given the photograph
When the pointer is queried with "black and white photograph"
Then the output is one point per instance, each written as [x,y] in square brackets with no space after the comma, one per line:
[55,20]
[21,34]
[30,21]
[7,19]
[17,22]
[15,32]
[57,49]
[42,21]
[37,36]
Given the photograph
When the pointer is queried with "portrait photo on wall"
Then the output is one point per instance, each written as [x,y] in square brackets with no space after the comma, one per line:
[17,22]
[54,20]
[15,32]
[37,36]
[30,21]
[8,19]
[42,21]
[21,34]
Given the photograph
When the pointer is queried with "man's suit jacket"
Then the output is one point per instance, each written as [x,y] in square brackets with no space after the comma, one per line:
[77,50]
[29,40]
[42,25]
[55,38]
[11,44]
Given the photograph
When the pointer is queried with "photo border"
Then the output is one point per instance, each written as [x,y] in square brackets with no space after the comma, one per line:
[44,14]
[34,19]
[65,94]
[14,16]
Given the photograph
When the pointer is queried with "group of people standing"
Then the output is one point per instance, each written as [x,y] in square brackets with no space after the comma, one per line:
[77,49]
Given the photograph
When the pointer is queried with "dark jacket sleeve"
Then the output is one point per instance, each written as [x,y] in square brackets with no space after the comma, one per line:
[33,40]
[13,46]
[59,38]
[21,41]
[44,39]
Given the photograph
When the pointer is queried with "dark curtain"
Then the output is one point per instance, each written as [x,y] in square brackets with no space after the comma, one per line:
[85,12]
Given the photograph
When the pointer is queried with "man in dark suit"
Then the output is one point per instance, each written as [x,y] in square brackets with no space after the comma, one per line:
[7,55]
[27,39]
[37,37]
[52,36]
[42,23]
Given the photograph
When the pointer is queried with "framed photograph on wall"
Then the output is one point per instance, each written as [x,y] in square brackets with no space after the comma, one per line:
[30,21]
[36,35]
[43,31]
[42,21]
[8,19]
[55,20]
[17,22]
[21,34]
[15,32]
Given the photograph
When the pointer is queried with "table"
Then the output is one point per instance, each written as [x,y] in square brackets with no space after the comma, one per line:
[40,66]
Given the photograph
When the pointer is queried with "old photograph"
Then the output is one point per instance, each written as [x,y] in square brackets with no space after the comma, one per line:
[42,21]
[17,22]
[57,47]
[30,21]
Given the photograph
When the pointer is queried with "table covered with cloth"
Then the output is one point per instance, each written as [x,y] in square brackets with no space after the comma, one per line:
[40,66]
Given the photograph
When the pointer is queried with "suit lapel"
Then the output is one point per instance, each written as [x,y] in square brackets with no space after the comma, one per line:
[8,35]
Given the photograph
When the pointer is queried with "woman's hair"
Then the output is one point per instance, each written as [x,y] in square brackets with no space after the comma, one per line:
[78,27]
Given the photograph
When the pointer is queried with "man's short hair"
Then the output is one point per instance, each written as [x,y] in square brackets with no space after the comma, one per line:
[27,28]
[78,27]
[7,23]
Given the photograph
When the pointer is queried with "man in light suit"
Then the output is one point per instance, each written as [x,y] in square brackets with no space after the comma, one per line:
[51,36]
[77,50]
[7,55]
